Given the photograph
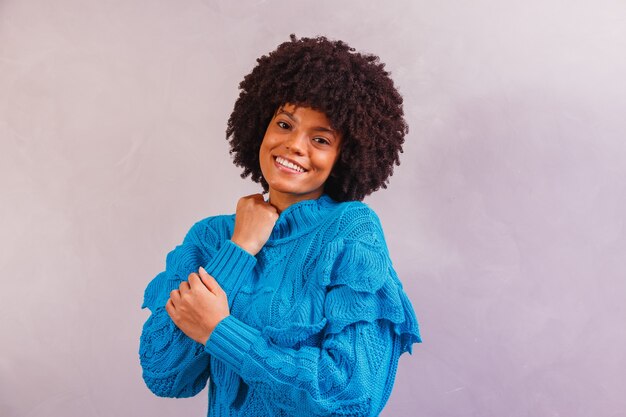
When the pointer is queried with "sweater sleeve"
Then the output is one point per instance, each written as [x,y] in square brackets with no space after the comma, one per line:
[369,322]
[173,364]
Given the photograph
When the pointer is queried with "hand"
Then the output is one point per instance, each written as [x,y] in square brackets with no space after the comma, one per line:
[198,306]
[254,222]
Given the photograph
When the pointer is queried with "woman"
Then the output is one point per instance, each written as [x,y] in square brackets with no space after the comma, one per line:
[291,306]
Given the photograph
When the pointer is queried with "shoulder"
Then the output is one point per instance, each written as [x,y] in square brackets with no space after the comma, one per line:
[355,220]
[357,256]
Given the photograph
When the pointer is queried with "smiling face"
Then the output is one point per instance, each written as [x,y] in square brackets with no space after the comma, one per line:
[297,154]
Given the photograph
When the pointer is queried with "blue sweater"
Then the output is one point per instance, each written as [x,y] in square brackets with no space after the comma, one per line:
[318,317]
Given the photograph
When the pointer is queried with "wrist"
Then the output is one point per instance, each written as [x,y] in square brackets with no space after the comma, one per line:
[206,339]
[248,247]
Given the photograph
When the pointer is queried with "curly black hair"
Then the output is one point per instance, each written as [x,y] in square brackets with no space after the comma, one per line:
[354,91]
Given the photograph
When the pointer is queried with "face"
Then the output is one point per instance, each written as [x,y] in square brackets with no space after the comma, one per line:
[297,155]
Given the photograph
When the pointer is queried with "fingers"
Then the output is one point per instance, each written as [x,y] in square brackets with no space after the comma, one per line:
[184,286]
[257,196]
[170,308]
[249,201]
[273,212]
[255,203]
[210,282]
[196,283]
[253,199]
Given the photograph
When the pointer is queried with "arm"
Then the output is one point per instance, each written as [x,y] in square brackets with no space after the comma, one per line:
[368,324]
[173,364]
[352,373]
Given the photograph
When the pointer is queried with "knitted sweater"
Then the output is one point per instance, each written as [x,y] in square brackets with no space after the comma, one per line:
[318,317]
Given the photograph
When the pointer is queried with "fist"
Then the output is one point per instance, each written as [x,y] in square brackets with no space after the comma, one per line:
[254,222]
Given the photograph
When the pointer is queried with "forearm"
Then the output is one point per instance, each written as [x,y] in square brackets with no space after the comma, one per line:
[173,364]
[337,377]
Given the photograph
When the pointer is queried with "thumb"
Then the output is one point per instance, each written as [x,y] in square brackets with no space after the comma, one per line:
[209,281]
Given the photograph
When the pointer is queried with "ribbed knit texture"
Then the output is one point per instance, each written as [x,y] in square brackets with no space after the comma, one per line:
[318,317]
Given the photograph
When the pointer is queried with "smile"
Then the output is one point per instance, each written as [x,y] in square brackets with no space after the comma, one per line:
[291,166]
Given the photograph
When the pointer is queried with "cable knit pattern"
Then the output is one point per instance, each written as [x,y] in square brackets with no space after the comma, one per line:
[318,318]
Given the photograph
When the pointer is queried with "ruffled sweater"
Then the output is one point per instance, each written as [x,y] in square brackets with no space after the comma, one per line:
[318,317]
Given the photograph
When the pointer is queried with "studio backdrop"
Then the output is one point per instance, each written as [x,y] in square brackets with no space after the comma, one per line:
[504,221]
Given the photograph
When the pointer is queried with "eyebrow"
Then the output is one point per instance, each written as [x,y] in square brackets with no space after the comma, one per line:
[317,128]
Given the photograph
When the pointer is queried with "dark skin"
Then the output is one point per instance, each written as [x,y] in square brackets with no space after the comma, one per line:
[297,154]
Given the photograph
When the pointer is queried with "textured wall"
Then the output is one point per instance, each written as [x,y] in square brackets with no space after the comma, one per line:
[505,220]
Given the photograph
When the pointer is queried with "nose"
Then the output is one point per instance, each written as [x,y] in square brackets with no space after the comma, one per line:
[296,143]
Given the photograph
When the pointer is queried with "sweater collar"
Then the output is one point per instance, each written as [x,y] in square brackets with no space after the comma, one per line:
[301,216]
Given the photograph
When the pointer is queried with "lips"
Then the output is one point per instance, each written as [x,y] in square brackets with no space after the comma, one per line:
[289,164]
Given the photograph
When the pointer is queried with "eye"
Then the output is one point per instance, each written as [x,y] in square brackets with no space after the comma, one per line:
[321,140]
[283,125]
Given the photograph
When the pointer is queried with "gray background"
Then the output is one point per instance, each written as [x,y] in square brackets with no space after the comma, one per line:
[505,220]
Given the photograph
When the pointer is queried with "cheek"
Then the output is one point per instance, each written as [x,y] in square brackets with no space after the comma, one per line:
[327,162]
[267,144]
[265,147]
[263,158]
[262,150]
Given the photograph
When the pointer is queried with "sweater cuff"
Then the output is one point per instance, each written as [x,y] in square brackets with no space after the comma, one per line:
[230,265]
[230,342]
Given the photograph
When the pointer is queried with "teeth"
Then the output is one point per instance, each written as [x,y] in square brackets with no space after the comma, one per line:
[288,164]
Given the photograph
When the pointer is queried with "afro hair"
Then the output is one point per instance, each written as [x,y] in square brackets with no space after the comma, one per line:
[354,91]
